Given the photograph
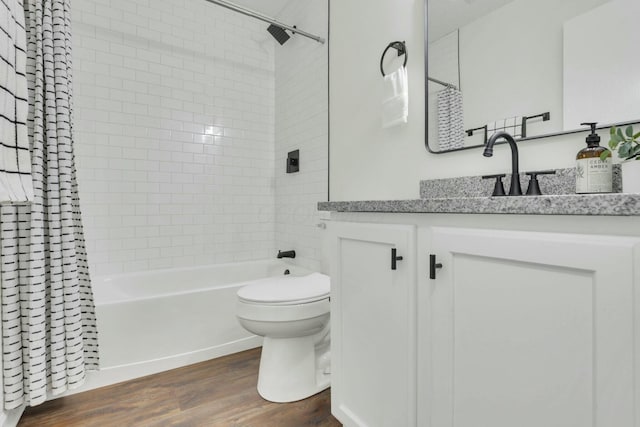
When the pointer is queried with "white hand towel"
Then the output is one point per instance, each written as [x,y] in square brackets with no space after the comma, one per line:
[395,103]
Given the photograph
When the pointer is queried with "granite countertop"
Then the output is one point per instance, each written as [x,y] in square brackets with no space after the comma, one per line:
[615,204]
[460,195]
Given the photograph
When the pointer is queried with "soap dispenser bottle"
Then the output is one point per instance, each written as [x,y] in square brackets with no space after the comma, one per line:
[593,175]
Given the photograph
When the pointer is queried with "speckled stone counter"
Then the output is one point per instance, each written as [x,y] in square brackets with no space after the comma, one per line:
[470,195]
[563,182]
[616,204]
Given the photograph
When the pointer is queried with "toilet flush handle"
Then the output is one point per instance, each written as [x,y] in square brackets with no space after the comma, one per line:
[394,258]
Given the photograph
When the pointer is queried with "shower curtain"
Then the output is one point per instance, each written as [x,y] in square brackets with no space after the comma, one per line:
[15,162]
[49,337]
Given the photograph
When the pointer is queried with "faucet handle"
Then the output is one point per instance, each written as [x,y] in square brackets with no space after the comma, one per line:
[498,189]
[534,186]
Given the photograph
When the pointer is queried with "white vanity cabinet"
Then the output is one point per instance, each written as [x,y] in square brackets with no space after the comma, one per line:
[519,328]
[528,329]
[373,324]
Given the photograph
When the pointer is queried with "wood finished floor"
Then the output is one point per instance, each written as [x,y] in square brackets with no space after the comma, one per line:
[220,392]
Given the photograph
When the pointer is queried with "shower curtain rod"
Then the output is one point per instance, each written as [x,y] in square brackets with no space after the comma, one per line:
[258,15]
[442,83]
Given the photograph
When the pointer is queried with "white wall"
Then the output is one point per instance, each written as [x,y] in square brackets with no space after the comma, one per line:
[586,94]
[302,124]
[367,162]
[174,113]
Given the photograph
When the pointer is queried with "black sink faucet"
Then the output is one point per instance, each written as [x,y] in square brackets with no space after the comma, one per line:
[515,189]
[286,254]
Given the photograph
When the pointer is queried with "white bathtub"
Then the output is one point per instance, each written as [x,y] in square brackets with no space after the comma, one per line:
[153,321]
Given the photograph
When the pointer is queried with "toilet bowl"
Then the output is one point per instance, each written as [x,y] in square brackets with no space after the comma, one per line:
[292,314]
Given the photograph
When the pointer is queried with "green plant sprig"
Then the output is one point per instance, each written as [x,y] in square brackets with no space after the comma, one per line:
[626,143]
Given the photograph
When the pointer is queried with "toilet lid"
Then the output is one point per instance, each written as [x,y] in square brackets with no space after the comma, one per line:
[287,289]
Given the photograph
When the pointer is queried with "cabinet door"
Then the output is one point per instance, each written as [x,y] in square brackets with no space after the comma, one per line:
[529,329]
[373,325]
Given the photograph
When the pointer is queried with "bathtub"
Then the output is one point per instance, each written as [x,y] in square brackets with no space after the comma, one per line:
[154,321]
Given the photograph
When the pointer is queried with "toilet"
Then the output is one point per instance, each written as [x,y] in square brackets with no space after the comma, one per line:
[292,314]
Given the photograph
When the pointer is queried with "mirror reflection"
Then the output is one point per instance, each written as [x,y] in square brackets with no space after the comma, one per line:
[529,67]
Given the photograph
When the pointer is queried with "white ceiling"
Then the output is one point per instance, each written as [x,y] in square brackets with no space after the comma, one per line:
[446,16]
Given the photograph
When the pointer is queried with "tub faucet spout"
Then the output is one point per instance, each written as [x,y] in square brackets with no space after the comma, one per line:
[286,254]
[515,189]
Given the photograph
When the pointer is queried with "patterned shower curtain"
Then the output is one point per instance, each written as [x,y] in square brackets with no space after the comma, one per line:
[49,337]
[15,162]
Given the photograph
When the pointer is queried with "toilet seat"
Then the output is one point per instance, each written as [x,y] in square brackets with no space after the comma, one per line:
[282,313]
[287,290]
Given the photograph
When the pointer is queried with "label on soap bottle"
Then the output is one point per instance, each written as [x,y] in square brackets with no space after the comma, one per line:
[594,175]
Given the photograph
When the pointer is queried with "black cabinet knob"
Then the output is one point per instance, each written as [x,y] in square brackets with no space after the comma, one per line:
[395,258]
[433,266]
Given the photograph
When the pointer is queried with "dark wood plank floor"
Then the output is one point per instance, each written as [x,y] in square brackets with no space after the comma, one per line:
[220,392]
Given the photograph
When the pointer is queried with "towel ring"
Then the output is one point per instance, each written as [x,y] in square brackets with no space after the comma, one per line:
[401,47]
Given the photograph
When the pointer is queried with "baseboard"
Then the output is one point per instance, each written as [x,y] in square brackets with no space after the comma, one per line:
[12,417]
[117,374]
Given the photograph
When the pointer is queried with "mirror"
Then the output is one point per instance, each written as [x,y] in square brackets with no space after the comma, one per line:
[534,68]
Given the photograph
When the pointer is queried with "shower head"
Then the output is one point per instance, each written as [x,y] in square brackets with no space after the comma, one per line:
[278,33]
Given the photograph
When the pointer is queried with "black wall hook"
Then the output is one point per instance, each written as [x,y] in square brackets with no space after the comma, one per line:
[401,47]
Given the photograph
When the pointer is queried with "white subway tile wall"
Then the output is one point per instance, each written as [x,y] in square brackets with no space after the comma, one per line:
[174,127]
[302,123]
